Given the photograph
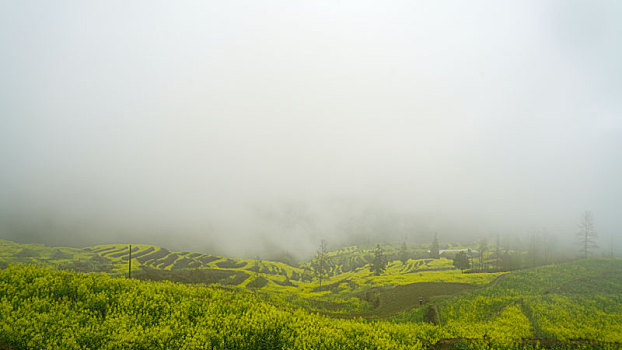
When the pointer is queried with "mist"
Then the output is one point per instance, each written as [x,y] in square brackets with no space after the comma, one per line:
[245,127]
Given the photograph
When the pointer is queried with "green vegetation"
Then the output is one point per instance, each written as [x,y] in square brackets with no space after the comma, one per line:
[379,264]
[461,261]
[415,302]
[579,300]
[62,258]
[434,249]
[42,308]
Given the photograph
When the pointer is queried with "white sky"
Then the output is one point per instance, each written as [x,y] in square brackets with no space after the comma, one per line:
[183,118]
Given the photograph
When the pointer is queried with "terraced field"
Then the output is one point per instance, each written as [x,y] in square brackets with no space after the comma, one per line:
[490,305]
[573,305]
[58,257]
[345,291]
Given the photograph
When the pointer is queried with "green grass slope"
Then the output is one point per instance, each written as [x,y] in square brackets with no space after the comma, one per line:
[44,308]
[344,292]
[41,308]
[58,257]
[581,300]
[266,304]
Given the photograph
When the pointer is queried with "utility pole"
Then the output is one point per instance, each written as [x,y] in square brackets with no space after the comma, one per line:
[129,273]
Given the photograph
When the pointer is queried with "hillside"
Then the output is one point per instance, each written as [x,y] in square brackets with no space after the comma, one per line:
[565,306]
[559,305]
[578,300]
[43,308]
[349,288]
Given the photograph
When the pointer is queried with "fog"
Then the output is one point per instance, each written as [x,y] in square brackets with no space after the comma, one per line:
[244,127]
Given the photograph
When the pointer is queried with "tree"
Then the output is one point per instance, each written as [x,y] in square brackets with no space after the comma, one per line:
[320,263]
[508,261]
[434,250]
[498,253]
[483,247]
[461,261]
[532,252]
[379,264]
[587,234]
[403,255]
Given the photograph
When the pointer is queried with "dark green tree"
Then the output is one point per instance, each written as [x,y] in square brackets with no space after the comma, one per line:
[403,254]
[434,250]
[379,264]
[461,261]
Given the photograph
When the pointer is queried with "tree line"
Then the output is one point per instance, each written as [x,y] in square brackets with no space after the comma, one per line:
[541,250]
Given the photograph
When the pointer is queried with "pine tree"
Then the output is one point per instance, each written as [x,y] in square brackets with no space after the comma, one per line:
[498,253]
[587,235]
[379,264]
[320,262]
[434,249]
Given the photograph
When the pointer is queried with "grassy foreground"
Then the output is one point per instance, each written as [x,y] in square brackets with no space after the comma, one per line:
[42,308]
